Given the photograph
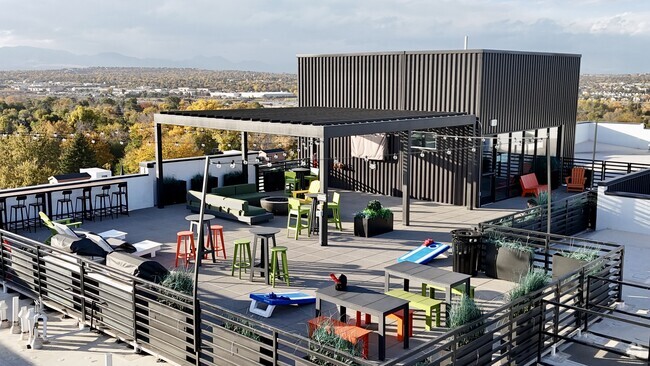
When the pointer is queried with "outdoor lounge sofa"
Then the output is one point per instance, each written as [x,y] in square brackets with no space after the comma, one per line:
[228,208]
[247,192]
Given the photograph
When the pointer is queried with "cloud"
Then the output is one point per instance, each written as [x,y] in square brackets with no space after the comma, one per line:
[275,31]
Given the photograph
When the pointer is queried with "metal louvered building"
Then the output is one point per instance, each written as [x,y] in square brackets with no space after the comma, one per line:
[517,97]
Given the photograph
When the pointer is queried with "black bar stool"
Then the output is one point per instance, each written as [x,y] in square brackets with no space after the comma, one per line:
[3,211]
[120,201]
[104,207]
[83,206]
[64,205]
[20,208]
[35,208]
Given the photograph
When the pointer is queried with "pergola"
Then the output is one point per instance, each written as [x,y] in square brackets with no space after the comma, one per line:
[319,123]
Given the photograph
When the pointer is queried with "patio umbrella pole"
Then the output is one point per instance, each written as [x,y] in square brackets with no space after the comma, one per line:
[197,253]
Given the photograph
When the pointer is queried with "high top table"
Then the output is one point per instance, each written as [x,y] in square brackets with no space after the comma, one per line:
[300,177]
[369,302]
[264,234]
[194,220]
[427,275]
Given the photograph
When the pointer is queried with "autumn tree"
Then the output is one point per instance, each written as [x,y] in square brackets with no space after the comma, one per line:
[76,155]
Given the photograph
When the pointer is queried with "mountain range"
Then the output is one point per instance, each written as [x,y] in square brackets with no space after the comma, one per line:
[33,58]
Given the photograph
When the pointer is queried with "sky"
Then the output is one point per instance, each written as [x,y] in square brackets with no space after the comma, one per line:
[613,36]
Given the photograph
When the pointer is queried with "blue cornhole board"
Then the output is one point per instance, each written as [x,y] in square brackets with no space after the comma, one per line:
[424,254]
[272,300]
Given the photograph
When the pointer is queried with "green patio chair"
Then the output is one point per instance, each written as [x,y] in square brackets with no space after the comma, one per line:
[48,223]
[301,214]
[290,182]
[335,206]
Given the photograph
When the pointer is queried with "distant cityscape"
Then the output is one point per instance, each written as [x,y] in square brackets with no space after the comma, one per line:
[627,88]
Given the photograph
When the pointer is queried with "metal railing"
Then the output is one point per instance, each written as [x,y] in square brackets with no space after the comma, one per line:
[148,316]
[569,216]
[602,169]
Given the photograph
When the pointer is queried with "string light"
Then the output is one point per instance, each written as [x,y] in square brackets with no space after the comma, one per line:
[448,152]
[422,154]
[232,164]
[218,165]
[372,166]
[394,156]
[245,162]
[269,164]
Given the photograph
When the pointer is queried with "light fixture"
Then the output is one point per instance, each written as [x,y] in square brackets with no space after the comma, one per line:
[394,156]
[284,154]
[365,158]
[91,141]
[275,156]
[232,164]
[303,163]
[473,149]
[493,122]
[372,166]
[298,149]
[269,164]
[422,154]
[245,162]
[121,142]
[218,165]
[448,152]
[257,160]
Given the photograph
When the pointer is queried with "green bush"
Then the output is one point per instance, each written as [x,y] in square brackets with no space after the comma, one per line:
[582,254]
[233,178]
[178,280]
[324,336]
[529,283]
[374,210]
[509,243]
[464,312]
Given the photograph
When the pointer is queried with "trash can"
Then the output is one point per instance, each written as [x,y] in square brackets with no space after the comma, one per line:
[467,247]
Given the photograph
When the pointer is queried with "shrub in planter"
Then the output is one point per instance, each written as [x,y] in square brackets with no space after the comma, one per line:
[475,345]
[166,317]
[373,220]
[565,262]
[323,339]
[239,340]
[174,191]
[507,259]
[273,180]
[196,183]
[233,178]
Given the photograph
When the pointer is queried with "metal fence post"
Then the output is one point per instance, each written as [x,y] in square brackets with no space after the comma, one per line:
[620,275]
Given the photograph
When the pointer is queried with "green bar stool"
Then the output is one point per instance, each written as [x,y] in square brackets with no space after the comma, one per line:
[301,214]
[274,264]
[243,248]
[335,206]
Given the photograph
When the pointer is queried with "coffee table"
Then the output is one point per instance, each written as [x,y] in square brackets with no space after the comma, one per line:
[113,234]
[146,247]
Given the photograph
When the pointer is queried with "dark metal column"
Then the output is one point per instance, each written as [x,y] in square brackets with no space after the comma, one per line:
[406,177]
[323,169]
[159,167]
[244,154]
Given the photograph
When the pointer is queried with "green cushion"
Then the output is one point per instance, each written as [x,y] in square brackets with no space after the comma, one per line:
[233,204]
[254,211]
[225,191]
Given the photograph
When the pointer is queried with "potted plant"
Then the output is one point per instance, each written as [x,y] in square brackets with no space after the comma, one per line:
[505,258]
[323,341]
[239,338]
[166,320]
[524,326]
[474,344]
[373,220]
[196,183]
[565,262]
[232,178]
[174,191]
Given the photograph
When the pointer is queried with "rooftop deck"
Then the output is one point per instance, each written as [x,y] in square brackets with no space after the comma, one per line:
[361,260]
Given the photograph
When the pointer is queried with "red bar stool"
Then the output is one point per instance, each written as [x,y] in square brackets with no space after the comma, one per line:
[217,232]
[182,238]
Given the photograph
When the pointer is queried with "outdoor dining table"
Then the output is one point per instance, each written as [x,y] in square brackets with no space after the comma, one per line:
[424,274]
[369,302]
[194,220]
[264,234]
[301,173]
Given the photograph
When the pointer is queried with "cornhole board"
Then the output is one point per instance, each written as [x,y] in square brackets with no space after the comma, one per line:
[424,254]
[284,298]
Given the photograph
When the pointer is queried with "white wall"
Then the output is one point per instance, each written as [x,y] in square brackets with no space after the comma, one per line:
[622,213]
[632,135]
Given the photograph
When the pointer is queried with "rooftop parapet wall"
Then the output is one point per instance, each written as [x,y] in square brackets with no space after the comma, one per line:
[632,135]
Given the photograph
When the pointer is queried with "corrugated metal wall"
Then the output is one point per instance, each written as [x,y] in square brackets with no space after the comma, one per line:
[521,90]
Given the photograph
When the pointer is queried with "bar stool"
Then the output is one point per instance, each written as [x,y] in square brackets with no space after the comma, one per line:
[119,199]
[301,214]
[214,231]
[64,205]
[21,208]
[104,209]
[243,248]
[274,264]
[35,208]
[3,212]
[84,205]
[182,239]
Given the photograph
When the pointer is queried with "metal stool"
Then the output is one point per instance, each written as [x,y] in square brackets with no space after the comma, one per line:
[3,212]
[64,206]
[243,248]
[275,271]
[85,201]
[104,208]
[35,208]
[217,232]
[182,238]
[119,199]
[21,208]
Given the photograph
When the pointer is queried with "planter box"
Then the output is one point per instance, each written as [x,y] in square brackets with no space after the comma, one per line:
[174,192]
[197,184]
[506,264]
[246,351]
[562,265]
[273,180]
[471,354]
[168,333]
[371,227]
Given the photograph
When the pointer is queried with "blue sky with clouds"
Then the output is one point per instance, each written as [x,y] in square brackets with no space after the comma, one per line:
[612,35]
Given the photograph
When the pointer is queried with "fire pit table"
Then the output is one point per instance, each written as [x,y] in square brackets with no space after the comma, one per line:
[278,205]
